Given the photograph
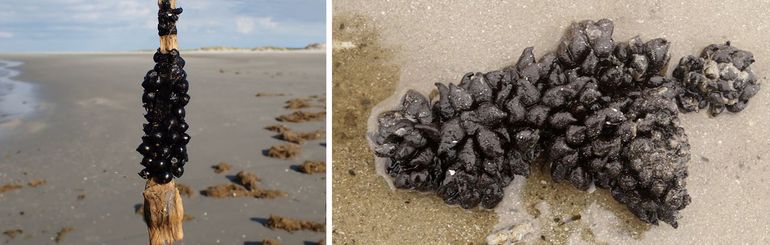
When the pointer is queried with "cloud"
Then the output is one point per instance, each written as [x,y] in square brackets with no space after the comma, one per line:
[122,11]
[246,25]
[6,34]
[267,22]
[93,25]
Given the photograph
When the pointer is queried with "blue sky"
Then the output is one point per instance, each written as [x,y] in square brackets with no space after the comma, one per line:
[126,25]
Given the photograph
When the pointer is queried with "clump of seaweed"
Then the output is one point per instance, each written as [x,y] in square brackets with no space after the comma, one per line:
[284,151]
[221,167]
[596,113]
[312,167]
[302,116]
[233,190]
[291,225]
[246,184]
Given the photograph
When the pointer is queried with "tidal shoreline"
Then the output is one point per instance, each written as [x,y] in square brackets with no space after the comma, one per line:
[82,141]
[17,98]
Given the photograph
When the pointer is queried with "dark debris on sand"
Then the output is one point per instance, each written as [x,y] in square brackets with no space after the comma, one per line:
[246,185]
[291,225]
[302,116]
[13,233]
[277,128]
[312,167]
[62,233]
[284,151]
[301,137]
[596,112]
[184,190]
[221,167]
[9,187]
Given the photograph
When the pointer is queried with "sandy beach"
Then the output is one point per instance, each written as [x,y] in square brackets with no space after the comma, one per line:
[87,119]
[399,45]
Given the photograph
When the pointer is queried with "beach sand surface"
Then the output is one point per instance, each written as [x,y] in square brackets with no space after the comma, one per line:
[440,41]
[82,135]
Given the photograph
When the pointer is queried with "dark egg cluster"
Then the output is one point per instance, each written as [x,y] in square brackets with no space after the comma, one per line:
[721,78]
[594,113]
[164,144]
[167,18]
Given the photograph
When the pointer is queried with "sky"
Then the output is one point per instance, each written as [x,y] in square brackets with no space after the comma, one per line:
[128,25]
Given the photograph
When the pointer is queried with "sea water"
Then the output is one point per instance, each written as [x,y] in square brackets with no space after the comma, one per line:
[17,98]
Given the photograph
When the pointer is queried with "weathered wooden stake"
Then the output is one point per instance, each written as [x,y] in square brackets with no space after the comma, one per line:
[163,208]
[163,212]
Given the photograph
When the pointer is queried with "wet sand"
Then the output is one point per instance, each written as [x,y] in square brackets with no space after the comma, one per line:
[439,42]
[82,136]
[365,210]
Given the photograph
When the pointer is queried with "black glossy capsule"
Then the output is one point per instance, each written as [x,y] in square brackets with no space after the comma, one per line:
[159,57]
[164,177]
[180,112]
[151,83]
[149,117]
[145,174]
[184,99]
[176,72]
[174,138]
[148,128]
[179,61]
[182,86]
[177,171]
[156,136]
[144,149]
[164,151]
[171,123]
[160,164]
[183,126]
[185,138]
[148,97]
[147,161]
[180,150]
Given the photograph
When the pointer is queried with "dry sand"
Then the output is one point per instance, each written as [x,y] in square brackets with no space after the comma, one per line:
[440,41]
[81,140]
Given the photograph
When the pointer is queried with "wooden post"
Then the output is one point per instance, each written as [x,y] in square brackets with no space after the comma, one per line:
[168,42]
[163,208]
[163,212]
